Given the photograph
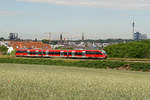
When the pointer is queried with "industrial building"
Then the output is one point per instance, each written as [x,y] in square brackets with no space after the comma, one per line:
[13,36]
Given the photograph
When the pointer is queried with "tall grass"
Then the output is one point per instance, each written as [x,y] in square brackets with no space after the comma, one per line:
[41,82]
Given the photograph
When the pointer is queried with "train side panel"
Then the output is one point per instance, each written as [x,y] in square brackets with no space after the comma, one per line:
[61,53]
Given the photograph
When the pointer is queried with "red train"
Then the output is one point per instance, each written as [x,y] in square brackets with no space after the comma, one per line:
[61,53]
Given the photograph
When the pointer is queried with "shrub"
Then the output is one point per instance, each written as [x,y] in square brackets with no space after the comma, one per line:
[137,49]
[140,66]
[3,50]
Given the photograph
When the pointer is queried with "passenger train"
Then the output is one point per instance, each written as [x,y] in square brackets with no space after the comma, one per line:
[61,53]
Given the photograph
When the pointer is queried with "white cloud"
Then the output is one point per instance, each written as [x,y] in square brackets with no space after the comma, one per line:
[118,4]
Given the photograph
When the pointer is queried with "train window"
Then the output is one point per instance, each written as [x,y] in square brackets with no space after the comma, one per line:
[57,53]
[69,53]
[39,53]
[65,53]
[45,52]
[89,52]
[99,53]
[51,53]
[54,53]
[32,52]
[93,52]
[78,53]
[20,51]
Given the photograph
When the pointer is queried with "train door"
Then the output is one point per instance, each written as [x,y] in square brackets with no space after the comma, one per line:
[37,53]
[73,53]
[28,52]
[46,54]
[83,53]
[61,53]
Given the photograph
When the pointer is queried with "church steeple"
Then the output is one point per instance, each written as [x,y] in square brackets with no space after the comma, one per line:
[61,37]
[82,36]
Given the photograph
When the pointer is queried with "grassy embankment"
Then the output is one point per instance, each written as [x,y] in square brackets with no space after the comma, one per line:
[43,82]
[105,64]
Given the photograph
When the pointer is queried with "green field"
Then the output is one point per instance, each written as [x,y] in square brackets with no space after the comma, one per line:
[43,82]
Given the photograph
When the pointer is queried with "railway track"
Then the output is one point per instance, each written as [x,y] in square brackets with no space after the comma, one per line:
[108,59]
[144,60]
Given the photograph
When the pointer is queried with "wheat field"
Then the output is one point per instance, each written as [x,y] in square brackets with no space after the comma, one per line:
[40,82]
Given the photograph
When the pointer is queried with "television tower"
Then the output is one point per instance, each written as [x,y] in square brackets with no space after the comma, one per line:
[133,26]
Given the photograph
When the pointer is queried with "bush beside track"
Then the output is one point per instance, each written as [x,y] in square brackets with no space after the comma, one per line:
[106,64]
[136,49]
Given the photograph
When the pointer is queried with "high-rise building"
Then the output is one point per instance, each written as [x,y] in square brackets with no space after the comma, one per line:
[137,36]
[13,36]
[144,36]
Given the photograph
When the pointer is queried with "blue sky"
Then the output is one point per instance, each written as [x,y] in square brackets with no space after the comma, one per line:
[98,19]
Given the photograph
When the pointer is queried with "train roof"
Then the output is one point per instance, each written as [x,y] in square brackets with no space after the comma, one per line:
[52,49]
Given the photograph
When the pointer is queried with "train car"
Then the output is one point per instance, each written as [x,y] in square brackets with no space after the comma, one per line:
[21,52]
[61,53]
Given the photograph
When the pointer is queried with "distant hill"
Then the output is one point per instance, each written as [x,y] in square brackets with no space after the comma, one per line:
[136,49]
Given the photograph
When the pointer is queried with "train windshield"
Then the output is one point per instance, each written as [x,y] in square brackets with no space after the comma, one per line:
[103,51]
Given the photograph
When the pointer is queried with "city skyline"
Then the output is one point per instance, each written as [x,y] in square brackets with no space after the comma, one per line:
[98,19]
